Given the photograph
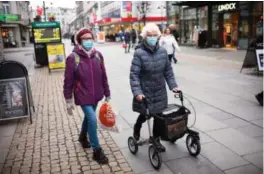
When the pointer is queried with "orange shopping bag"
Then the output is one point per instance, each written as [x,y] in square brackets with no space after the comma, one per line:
[108,118]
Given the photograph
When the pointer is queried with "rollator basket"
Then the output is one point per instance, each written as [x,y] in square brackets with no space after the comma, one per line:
[173,122]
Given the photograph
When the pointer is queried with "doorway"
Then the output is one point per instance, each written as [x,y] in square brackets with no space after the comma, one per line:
[230,29]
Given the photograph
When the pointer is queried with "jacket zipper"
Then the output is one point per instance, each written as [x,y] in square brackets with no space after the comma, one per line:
[91,67]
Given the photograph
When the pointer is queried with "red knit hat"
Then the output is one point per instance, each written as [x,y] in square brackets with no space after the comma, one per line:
[81,33]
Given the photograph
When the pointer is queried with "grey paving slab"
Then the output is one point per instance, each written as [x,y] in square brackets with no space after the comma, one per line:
[164,170]
[247,169]
[122,137]
[236,123]
[220,115]
[206,123]
[3,154]
[236,141]
[5,142]
[8,128]
[260,139]
[221,156]
[250,113]
[174,151]
[256,159]
[258,122]
[139,163]
[191,165]
[252,131]
[1,166]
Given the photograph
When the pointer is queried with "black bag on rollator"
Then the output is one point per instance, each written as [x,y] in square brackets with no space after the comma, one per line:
[173,122]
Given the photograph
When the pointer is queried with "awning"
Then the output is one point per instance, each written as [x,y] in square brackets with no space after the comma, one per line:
[109,21]
[198,3]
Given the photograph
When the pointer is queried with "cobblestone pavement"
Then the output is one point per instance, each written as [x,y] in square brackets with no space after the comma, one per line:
[50,144]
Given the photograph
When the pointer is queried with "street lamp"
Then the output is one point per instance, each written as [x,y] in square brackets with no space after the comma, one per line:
[161,8]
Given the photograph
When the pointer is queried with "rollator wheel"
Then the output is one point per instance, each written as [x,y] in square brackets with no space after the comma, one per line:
[193,145]
[154,157]
[132,145]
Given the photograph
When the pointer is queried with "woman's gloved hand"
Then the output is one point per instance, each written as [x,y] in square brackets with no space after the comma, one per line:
[107,99]
[69,106]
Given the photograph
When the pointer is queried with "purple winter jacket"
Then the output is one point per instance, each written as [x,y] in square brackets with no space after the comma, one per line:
[88,82]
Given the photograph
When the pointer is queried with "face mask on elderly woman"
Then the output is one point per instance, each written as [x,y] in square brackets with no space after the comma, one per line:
[152,40]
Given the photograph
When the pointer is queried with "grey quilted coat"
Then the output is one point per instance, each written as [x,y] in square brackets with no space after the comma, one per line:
[149,70]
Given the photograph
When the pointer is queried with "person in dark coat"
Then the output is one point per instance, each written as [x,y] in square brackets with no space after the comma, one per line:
[149,71]
[134,37]
[127,40]
[87,80]
[73,40]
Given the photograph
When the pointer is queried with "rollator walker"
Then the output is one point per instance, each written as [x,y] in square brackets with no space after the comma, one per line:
[174,121]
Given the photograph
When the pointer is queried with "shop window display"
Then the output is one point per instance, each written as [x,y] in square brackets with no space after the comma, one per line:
[257,19]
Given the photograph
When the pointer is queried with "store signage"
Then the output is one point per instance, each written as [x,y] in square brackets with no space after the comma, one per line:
[45,25]
[226,7]
[9,17]
[259,54]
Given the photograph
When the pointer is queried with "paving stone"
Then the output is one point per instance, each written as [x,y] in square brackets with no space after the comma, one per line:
[256,159]
[252,131]
[191,165]
[247,169]
[222,157]
[219,115]
[236,141]
[258,122]
[206,123]
[236,123]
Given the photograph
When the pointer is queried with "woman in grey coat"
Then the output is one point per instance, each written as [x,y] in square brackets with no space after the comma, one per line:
[149,71]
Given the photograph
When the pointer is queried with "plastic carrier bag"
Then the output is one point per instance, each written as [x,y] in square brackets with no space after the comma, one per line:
[108,118]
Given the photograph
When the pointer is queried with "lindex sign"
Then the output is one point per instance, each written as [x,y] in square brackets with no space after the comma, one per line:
[227,7]
[9,17]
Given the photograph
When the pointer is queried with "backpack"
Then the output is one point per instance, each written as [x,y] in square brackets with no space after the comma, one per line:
[77,60]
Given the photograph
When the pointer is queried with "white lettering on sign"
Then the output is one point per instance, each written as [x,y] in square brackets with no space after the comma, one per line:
[226,7]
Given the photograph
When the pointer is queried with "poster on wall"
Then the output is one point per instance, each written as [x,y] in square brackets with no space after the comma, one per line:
[56,56]
[259,54]
[100,37]
[13,98]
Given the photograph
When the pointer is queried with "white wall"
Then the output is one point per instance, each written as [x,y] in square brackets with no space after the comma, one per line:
[153,9]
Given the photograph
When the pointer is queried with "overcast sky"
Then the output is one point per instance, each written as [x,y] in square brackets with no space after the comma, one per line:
[54,3]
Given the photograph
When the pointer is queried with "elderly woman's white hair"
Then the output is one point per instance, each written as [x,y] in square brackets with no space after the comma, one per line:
[150,27]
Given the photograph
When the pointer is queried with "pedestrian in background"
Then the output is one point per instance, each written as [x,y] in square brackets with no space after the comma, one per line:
[127,40]
[174,32]
[134,37]
[149,72]
[85,77]
[170,44]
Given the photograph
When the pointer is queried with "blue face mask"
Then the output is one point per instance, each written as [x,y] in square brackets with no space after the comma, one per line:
[152,40]
[87,44]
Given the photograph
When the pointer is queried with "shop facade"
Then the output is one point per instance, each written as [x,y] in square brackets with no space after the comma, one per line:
[226,24]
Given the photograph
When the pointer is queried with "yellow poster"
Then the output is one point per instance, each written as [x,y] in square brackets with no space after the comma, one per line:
[56,55]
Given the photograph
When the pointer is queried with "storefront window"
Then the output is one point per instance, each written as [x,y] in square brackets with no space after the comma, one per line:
[202,17]
[257,19]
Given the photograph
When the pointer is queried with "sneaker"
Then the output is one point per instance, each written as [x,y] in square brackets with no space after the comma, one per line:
[136,133]
[99,156]
[84,140]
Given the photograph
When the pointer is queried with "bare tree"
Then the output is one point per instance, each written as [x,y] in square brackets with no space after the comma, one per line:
[143,8]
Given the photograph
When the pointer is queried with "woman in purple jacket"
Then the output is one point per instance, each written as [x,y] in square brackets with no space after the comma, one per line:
[85,77]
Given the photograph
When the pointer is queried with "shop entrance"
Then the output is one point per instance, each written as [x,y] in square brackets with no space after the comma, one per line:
[230,32]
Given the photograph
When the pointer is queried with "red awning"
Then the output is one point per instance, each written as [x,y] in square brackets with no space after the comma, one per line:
[128,20]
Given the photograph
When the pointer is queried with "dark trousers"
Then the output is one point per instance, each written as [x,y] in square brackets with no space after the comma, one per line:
[171,56]
[127,49]
[156,126]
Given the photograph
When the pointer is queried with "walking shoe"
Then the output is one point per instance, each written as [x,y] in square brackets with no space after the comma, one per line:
[160,147]
[136,132]
[99,156]
[83,140]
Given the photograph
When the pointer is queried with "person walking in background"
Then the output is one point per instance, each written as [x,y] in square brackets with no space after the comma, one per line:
[85,77]
[170,44]
[174,32]
[134,37]
[149,71]
[72,40]
[127,41]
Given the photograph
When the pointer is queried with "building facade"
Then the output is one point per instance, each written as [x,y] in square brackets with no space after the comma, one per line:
[226,24]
